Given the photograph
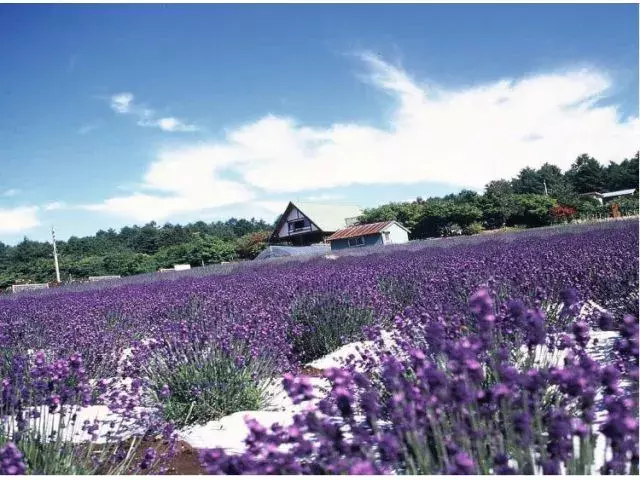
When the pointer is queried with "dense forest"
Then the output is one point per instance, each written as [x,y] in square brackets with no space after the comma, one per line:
[533,198]
[134,250]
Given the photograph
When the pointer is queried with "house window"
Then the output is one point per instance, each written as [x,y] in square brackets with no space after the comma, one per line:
[356,242]
[298,226]
[387,237]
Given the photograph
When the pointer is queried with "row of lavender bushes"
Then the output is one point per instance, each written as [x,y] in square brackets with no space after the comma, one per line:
[195,336]
[443,403]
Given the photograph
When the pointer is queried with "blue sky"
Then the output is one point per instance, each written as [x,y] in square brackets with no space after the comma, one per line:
[121,114]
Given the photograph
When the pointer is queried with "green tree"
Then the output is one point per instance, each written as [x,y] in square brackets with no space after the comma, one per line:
[498,188]
[498,204]
[528,181]
[250,245]
[129,263]
[532,210]
[623,175]
[586,175]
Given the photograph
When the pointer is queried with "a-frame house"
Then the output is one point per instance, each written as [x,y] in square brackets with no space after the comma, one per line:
[304,224]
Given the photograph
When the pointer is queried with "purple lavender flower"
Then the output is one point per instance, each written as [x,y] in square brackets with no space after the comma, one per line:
[605,321]
[149,457]
[501,465]
[165,392]
[535,333]
[362,468]
[462,465]
[580,331]
[551,467]
[299,389]
[11,460]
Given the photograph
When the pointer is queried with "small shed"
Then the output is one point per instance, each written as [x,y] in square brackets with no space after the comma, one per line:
[370,234]
[604,197]
[276,251]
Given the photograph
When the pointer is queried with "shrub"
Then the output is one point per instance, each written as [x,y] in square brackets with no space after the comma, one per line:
[198,382]
[562,213]
[473,228]
[532,210]
[39,404]
[321,323]
[628,205]
[590,208]
[450,230]
[402,291]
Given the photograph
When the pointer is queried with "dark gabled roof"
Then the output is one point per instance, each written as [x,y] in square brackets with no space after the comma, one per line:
[362,230]
[326,218]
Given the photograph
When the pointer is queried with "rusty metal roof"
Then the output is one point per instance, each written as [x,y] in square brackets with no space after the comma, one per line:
[360,230]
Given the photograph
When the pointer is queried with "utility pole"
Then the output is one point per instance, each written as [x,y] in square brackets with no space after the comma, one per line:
[545,187]
[55,255]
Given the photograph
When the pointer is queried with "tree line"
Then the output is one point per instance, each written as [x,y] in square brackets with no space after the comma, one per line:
[535,197]
[134,250]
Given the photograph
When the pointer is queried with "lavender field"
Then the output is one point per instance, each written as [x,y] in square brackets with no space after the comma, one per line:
[507,354]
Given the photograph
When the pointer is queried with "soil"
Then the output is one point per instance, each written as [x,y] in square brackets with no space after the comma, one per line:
[312,372]
[184,462]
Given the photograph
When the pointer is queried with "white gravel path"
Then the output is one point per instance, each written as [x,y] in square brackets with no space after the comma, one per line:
[51,426]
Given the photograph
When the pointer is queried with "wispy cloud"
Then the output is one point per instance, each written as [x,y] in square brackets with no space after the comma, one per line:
[142,207]
[12,192]
[14,220]
[55,206]
[87,128]
[324,197]
[465,137]
[172,124]
[123,103]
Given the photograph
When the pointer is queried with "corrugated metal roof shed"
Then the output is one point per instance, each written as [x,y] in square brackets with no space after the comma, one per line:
[360,230]
[617,193]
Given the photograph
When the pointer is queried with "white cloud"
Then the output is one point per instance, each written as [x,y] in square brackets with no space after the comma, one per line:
[271,207]
[143,207]
[265,210]
[12,192]
[465,136]
[54,206]
[172,124]
[15,220]
[124,103]
[121,102]
[324,197]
